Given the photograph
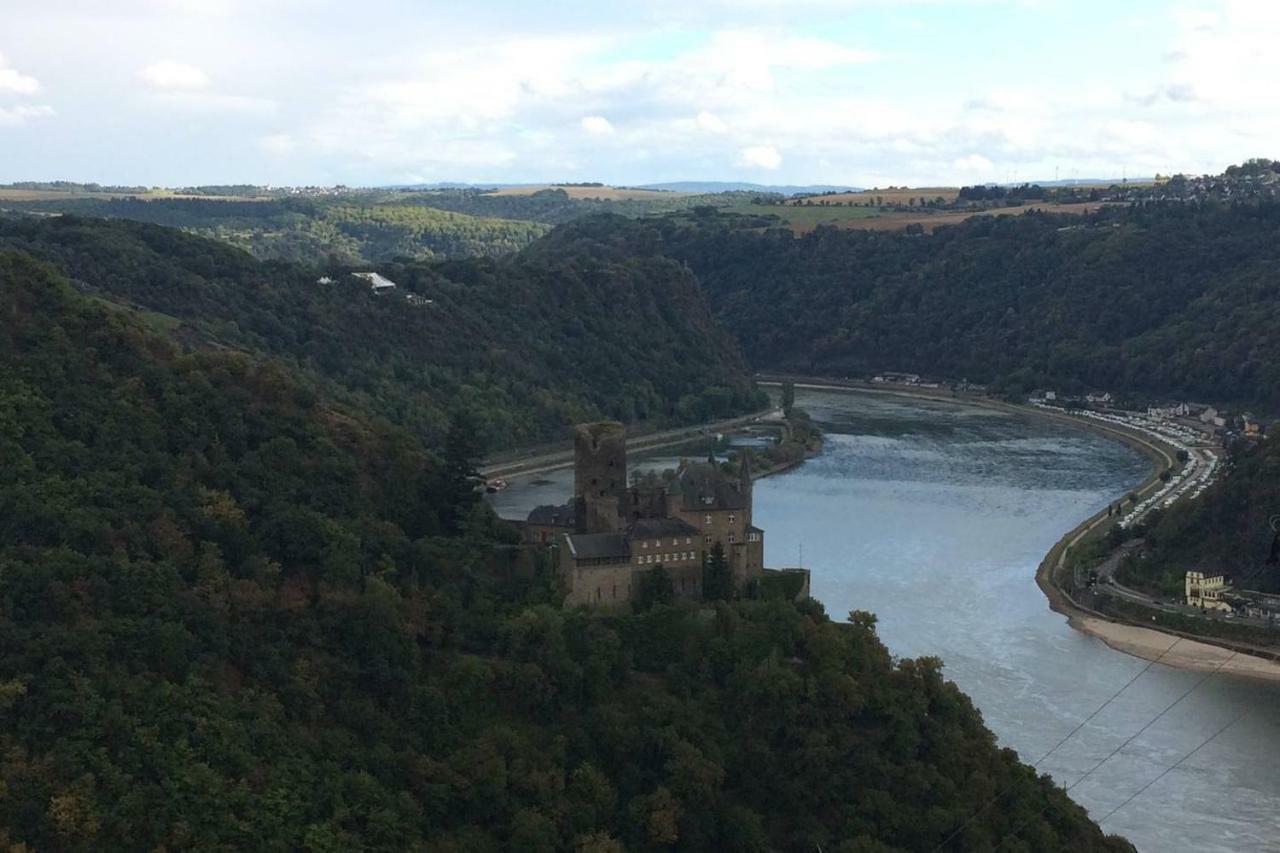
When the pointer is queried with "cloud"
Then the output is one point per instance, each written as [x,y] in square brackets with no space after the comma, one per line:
[711,122]
[171,76]
[761,157]
[597,125]
[973,164]
[14,82]
[277,144]
[20,115]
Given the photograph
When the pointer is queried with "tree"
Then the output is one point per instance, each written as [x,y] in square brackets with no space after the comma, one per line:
[788,397]
[654,588]
[462,452]
[717,578]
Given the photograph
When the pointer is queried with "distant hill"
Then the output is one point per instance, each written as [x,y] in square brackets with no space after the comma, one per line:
[524,345]
[743,186]
[1163,300]
[353,228]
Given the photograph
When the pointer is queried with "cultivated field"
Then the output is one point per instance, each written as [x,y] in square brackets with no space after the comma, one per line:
[610,193]
[897,195]
[855,218]
[59,195]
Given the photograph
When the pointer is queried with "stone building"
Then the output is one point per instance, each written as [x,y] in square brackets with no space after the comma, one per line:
[611,532]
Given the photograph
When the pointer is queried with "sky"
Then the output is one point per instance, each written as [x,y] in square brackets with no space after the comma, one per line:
[859,92]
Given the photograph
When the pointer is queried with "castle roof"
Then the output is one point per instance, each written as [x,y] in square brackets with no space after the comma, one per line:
[597,546]
[656,528]
[703,486]
[550,515]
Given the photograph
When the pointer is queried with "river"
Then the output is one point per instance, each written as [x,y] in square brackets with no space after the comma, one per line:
[934,516]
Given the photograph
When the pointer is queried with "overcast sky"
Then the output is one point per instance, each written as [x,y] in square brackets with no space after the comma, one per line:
[863,92]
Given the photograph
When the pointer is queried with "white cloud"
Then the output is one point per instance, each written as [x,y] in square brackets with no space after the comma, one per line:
[597,125]
[761,156]
[973,164]
[168,75]
[11,80]
[711,122]
[20,115]
[277,144]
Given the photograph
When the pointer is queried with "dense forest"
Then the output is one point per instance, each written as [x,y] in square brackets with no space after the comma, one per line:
[1175,300]
[313,230]
[526,346]
[240,614]
[555,206]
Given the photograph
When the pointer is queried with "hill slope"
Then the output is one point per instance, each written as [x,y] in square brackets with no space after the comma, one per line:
[1176,300]
[313,230]
[238,615]
[525,345]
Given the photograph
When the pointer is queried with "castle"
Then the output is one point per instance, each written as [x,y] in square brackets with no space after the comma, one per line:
[612,532]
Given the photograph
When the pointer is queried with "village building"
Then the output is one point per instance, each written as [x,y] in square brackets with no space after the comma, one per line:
[377,282]
[613,532]
[1206,591]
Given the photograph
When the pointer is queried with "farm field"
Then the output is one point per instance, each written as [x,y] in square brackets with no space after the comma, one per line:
[578,192]
[869,219]
[150,195]
[896,195]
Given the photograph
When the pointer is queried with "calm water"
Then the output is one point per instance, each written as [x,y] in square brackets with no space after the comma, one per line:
[934,516]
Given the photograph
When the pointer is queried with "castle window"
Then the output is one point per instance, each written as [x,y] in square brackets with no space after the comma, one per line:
[706,540]
[706,519]
[615,590]
[644,544]
[732,519]
[732,538]
[688,540]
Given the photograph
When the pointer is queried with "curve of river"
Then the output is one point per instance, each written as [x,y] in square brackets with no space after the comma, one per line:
[934,516]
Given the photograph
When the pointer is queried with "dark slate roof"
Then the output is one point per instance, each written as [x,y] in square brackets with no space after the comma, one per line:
[705,487]
[754,529]
[594,546]
[656,528]
[553,516]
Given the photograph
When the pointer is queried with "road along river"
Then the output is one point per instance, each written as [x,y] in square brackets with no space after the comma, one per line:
[934,515]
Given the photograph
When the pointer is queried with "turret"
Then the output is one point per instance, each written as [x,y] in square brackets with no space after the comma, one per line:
[599,476]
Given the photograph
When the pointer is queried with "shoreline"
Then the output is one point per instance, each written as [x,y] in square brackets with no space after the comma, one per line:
[1181,651]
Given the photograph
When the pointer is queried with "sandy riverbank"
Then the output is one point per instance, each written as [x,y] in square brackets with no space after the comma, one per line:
[1182,653]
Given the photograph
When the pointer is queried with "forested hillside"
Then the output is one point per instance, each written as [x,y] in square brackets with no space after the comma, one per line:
[235,614]
[1168,300]
[555,206]
[525,346]
[314,230]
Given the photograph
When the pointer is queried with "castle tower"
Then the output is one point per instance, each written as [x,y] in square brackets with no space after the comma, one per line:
[599,476]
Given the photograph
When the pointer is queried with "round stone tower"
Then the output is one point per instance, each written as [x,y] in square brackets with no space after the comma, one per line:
[599,476]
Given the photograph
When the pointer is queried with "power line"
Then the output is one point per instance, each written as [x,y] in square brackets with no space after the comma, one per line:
[1170,769]
[1130,740]
[1154,719]
[1070,734]
[1103,706]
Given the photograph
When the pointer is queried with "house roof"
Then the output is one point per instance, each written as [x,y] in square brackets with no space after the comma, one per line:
[595,546]
[656,528]
[551,515]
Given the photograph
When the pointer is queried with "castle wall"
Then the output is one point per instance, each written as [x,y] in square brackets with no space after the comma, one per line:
[599,586]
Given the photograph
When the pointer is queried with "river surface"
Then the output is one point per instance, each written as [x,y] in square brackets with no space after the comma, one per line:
[934,516]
